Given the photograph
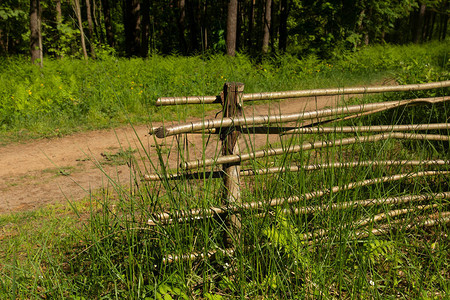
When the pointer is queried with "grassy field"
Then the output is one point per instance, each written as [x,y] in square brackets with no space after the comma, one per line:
[103,248]
[70,95]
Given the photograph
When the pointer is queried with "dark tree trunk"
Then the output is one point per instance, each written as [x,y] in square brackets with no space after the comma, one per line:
[444,30]
[419,24]
[108,23]
[2,44]
[283,25]
[90,27]
[193,9]
[182,25]
[251,21]
[35,33]
[132,22]
[204,22]
[239,25]
[145,27]
[431,26]
[267,23]
[231,27]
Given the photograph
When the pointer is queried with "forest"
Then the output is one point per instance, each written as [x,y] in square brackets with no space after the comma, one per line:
[139,28]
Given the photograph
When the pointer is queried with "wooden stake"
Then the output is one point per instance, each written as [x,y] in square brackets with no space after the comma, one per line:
[232,107]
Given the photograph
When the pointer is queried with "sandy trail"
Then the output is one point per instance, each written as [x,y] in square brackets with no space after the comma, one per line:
[30,176]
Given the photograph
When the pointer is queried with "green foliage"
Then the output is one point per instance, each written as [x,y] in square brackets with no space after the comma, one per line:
[69,95]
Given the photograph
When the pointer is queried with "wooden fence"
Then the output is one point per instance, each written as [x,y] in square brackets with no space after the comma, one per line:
[233,123]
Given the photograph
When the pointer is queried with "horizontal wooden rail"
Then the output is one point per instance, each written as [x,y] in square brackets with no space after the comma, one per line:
[305,93]
[163,131]
[274,170]
[371,128]
[200,163]
[426,221]
[194,214]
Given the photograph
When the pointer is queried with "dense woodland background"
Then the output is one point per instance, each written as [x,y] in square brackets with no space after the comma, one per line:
[185,27]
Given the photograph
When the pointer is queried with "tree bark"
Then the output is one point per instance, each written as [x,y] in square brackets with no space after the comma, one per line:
[205,25]
[251,21]
[194,31]
[58,12]
[80,24]
[90,27]
[58,24]
[132,22]
[282,44]
[231,27]
[266,30]
[182,25]
[108,23]
[420,19]
[145,27]
[35,33]
[444,30]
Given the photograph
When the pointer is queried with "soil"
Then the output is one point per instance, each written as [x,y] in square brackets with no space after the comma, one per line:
[49,171]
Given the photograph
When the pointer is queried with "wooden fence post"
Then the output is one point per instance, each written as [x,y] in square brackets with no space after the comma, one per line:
[232,104]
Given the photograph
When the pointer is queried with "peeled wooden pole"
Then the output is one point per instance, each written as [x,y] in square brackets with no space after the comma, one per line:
[308,146]
[376,218]
[428,221]
[306,93]
[273,170]
[371,128]
[163,131]
[194,214]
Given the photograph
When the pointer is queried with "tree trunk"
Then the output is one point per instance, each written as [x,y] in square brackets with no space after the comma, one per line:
[444,31]
[145,27]
[231,27]
[132,22]
[266,30]
[80,24]
[205,25]
[193,14]
[35,33]
[182,25]
[58,12]
[108,23]
[58,24]
[251,21]
[90,27]
[2,44]
[95,19]
[283,25]
[420,19]
[239,25]
[431,26]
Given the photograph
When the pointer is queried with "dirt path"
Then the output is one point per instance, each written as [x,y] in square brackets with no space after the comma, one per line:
[48,171]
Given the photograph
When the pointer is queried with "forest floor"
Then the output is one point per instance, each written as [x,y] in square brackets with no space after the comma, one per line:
[49,171]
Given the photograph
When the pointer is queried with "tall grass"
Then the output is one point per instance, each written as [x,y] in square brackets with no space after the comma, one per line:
[102,247]
[69,95]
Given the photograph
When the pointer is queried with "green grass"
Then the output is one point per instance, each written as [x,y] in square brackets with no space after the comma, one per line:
[70,95]
[102,247]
